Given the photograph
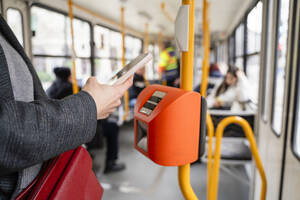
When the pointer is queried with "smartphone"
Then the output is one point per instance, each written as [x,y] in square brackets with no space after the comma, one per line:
[130,69]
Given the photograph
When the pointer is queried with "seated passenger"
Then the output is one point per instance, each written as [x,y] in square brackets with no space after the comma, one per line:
[233,89]
[137,86]
[62,85]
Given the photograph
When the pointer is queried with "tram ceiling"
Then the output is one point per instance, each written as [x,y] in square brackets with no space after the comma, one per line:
[224,15]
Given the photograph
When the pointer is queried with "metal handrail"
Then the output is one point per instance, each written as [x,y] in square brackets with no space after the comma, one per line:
[213,193]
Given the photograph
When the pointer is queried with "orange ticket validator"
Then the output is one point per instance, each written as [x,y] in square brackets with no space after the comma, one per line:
[169,125]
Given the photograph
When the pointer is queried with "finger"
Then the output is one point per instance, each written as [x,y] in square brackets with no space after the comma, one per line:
[125,85]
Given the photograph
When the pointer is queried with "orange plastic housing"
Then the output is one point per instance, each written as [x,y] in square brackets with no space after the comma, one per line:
[172,127]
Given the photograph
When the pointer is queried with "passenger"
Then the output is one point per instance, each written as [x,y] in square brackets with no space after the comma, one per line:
[137,86]
[215,78]
[168,67]
[34,128]
[62,86]
[111,129]
[234,88]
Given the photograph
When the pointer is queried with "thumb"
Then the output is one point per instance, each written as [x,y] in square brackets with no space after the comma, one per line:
[125,85]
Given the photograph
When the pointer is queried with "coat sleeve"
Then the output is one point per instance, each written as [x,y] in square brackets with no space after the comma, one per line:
[34,132]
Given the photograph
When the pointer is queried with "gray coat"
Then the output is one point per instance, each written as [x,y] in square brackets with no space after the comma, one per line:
[34,132]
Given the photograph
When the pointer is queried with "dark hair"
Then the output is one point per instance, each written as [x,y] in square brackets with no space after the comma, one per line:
[224,86]
[62,72]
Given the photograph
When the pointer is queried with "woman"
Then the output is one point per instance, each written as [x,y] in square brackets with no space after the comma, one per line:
[234,88]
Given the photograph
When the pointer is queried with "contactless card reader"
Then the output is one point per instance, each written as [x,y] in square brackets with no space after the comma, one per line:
[167,121]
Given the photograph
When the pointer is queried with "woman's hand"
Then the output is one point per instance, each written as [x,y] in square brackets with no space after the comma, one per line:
[106,97]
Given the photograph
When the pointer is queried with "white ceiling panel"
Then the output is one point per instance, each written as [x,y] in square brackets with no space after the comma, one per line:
[222,13]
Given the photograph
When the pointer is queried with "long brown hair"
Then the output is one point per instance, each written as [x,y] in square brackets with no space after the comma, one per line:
[224,86]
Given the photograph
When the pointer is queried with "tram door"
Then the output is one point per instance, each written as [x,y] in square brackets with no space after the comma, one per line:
[271,124]
[17,15]
[291,180]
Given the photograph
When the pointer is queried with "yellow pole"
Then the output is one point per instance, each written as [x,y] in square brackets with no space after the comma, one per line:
[210,131]
[74,80]
[146,44]
[205,71]
[186,83]
[250,136]
[126,96]
[206,46]
[163,9]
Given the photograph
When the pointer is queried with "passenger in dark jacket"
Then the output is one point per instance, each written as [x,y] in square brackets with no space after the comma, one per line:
[62,86]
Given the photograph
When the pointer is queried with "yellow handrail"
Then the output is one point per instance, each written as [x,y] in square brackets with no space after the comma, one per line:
[186,83]
[163,9]
[74,80]
[210,132]
[126,96]
[253,147]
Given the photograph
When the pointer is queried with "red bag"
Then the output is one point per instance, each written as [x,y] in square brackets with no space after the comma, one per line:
[68,176]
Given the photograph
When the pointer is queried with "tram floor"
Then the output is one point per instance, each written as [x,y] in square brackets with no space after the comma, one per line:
[144,180]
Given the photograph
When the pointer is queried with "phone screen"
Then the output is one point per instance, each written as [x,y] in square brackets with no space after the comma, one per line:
[128,67]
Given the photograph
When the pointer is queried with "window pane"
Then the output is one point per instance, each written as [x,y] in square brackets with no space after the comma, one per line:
[254,23]
[105,68]
[82,37]
[14,20]
[48,38]
[133,47]
[253,63]
[239,40]
[55,38]
[44,67]
[281,49]
[239,62]
[101,38]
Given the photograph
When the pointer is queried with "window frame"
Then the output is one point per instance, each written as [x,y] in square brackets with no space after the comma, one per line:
[268,51]
[91,57]
[115,30]
[22,21]
[297,107]
[274,66]
[39,5]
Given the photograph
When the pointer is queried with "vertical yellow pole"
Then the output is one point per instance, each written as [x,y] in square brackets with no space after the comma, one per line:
[126,96]
[205,72]
[206,45]
[186,83]
[74,80]
[210,131]
[146,44]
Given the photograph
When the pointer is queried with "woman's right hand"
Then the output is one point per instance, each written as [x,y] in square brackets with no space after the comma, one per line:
[106,97]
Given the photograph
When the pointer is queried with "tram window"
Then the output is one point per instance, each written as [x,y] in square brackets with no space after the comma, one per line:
[105,67]
[15,21]
[51,44]
[108,51]
[239,62]
[280,63]
[254,23]
[239,41]
[133,47]
[152,68]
